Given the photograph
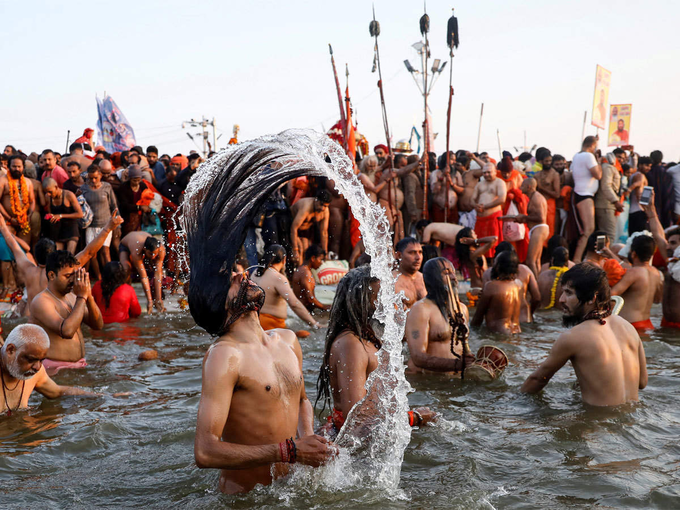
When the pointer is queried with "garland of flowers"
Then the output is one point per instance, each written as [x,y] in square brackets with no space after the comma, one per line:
[20,206]
[559,271]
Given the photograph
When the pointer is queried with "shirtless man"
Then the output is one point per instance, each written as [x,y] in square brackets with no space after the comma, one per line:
[488,197]
[637,219]
[605,350]
[34,276]
[350,353]
[60,313]
[641,286]
[137,250]
[428,331]
[393,191]
[526,276]
[500,302]
[277,292]
[254,414]
[409,279]
[22,370]
[466,206]
[20,219]
[550,280]
[303,279]
[441,232]
[307,213]
[441,184]
[535,219]
[548,185]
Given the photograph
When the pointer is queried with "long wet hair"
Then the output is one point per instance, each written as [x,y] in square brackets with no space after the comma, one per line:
[506,266]
[463,250]
[275,254]
[351,311]
[222,200]
[114,275]
[588,282]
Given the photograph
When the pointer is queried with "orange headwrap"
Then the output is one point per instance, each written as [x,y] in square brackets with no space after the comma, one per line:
[181,160]
[147,197]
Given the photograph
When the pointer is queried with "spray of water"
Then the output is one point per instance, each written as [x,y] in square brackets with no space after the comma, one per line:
[376,430]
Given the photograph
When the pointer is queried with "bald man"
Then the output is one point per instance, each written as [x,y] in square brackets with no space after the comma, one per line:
[21,370]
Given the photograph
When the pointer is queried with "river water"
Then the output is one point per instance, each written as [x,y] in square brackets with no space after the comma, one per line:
[494,447]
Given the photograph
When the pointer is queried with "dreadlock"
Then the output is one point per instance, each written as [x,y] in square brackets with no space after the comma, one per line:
[351,311]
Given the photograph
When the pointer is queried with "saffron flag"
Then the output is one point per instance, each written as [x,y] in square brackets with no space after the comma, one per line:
[351,138]
[113,130]
[601,97]
[619,124]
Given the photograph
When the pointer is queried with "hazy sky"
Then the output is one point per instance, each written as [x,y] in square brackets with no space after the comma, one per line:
[265,66]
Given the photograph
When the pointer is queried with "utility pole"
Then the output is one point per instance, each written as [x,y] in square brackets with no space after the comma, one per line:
[203,124]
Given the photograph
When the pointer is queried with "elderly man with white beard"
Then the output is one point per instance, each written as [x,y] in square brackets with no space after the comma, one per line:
[21,370]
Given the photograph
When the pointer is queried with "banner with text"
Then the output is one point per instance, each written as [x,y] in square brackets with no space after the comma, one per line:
[601,97]
[619,124]
[113,130]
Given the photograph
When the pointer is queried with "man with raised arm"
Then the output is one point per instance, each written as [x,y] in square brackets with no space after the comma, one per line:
[145,254]
[62,307]
[604,349]
[308,214]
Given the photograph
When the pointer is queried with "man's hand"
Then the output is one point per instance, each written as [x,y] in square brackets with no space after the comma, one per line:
[314,450]
[3,223]
[160,307]
[428,415]
[81,287]
[115,221]
[149,307]
[468,240]
[619,207]
[479,208]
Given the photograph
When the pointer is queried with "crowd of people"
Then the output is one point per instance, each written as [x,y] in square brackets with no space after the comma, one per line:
[529,233]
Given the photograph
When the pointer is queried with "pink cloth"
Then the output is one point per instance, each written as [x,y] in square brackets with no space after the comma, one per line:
[52,366]
[58,174]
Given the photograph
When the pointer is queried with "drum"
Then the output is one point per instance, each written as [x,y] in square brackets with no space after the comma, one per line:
[489,364]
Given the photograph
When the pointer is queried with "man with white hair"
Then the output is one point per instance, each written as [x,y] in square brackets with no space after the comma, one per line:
[21,369]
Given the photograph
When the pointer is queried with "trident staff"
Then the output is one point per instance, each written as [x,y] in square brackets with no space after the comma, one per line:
[452,41]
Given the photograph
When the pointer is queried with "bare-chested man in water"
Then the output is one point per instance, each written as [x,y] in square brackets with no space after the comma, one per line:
[428,331]
[253,402]
[409,278]
[303,280]
[488,197]
[500,302]
[466,207]
[605,350]
[277,290]
[308,213]
[641,286]
[62,307]
[526,276]
[535,219]
[145,254]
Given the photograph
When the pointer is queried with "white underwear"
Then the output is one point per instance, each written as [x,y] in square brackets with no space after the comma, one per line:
[537,226]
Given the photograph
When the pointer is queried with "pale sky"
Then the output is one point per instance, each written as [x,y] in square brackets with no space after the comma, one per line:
[265,66]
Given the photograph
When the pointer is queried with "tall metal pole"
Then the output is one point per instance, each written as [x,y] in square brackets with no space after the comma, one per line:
[583,130]
[479,133]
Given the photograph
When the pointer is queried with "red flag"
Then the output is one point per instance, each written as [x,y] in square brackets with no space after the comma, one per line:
[351,142]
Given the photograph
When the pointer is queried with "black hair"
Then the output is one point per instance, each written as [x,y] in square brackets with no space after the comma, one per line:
[405,243]
[14,150]
[441,162]
[362,260]
[58,260]
[437,288]
[314,250]
[412,159]
[592,240]
[48,151]
[463,250]
[324,196]
[645,160]
[422,224]
[93,168]
[505,266]
[558,157]
[504,246]
[193,156]
[13,157]
[398,157]
[588,280]
[588,142]
[618,151]
[151,243]
[124,158]
[152,148]
[657,157]
[114,275]
[272,255]
[75,163]
[524,157]
[138,150]
[430,252]
[560,257]
[432,160]
[625,167]
[643,246]
[42,249]
[74,146]
[352,310]
[542,153]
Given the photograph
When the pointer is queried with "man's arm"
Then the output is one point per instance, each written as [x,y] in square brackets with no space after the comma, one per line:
[93,248]
[305,413]
[535,292]
[351,379]
[417,334]
[562,350]
[137,262]
[482,307]
[158,281]
[624,284]
[298,219]
[3,185]
[44,311]
[286,292]
[49,389]
[92,315]
[308,285]
[31,197]
[596,171]
[642,359]
[323,228]
[607,185]
[655,227]
[23,263]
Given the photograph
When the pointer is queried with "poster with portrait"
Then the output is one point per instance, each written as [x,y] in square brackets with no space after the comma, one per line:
[619,124]
[601,97]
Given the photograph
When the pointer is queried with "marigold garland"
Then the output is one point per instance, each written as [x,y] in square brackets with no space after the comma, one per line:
[20,208]
[559,271]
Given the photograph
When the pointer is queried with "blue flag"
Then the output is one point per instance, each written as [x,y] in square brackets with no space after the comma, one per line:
[114,132]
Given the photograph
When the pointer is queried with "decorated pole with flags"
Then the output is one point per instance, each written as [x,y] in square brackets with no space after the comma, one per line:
[374,29]
[424,29]
[452,41]
[343,118]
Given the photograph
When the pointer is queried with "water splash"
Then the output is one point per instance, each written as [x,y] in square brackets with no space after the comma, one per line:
[376,431]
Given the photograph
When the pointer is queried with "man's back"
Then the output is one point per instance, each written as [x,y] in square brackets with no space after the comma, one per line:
[608,362]
[501,300]
[638,298]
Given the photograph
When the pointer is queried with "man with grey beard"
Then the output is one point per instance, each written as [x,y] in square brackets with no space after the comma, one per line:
[21,370]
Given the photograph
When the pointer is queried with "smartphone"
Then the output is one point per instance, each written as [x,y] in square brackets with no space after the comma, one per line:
[599,245]
[646,195]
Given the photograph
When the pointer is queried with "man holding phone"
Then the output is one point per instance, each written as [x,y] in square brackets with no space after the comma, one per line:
[637,219]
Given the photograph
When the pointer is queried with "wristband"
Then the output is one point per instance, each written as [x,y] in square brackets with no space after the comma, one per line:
[411,418]
[288,451]
[80,297]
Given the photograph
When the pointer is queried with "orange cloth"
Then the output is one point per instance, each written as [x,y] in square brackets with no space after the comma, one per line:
[354,232]
[147,197]
[182,161]
[550,218]
[270,322]
[669,324]
[614,271]
[522,202]
[489,226]
[642,326]
[566,195]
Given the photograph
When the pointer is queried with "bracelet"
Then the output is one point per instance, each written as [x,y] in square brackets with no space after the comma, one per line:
[419,417]
[288,451]
[411,418]
[283,449]
[61,327]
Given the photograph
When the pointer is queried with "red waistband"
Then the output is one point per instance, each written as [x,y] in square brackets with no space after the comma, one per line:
[669,324]
[643,325]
